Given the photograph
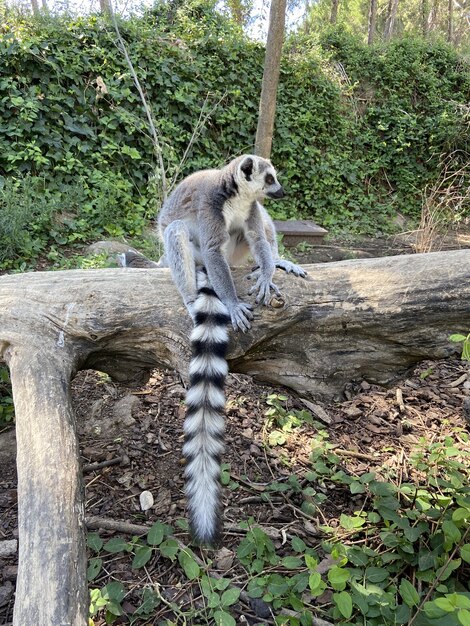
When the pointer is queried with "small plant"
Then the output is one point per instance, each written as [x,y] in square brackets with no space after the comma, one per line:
[7,411]
[465,341]
[285,420]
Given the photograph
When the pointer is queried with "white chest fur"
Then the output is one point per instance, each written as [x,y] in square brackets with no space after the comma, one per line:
[236,212]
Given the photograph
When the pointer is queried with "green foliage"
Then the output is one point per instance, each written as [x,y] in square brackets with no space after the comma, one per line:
[6,401]
[400,556]
[354,142]
[465,341]
[285,420]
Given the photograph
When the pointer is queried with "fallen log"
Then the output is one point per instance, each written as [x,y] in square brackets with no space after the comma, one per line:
[362,319]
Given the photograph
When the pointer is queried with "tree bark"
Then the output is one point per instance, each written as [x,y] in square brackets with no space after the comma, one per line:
[272,63]
[363,319]
[35,7]
[390,21]
[450,22]
[105,7]
[372,22]
[424,6]
[334,11]
[50,499]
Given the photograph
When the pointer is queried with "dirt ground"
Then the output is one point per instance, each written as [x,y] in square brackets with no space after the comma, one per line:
[131,441]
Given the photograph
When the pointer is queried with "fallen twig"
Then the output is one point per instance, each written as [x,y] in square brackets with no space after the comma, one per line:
[91,467]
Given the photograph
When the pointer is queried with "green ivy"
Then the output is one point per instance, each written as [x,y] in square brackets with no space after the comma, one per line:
[358,132]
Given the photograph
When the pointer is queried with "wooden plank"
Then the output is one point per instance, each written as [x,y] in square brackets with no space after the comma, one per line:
[297,231]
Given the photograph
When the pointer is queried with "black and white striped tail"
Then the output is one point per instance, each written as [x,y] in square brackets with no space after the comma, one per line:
[205,423]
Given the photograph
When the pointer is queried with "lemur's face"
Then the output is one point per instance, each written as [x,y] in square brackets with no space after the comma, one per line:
[260,176]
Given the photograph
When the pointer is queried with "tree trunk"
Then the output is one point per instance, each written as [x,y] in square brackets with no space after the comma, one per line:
[272,63]
[424,6]
[390,21]
[372,21]
[35,7]
[105,7]
[352,320]
[450,22]
[334,11]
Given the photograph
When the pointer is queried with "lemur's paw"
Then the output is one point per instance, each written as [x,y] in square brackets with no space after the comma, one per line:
[263,288]
[291,268]
[241,316]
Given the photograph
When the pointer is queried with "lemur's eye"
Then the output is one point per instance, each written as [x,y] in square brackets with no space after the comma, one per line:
[269,179]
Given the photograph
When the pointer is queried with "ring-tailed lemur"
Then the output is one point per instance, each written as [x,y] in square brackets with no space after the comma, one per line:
[213,220]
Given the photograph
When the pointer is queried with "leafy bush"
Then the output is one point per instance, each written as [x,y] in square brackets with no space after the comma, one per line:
[358,130]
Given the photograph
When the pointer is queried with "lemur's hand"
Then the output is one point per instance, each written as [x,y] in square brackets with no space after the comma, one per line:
[262,287]
[241,316]
[291,268]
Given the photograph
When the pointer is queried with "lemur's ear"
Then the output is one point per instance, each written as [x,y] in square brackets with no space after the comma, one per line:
[247,167]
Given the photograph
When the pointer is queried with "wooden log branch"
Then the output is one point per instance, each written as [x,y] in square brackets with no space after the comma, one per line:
[363,319]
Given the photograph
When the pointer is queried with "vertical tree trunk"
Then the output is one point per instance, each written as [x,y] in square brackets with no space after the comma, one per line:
[35,7]
[372,21]
[450,23]
[272,62]
[105,7]
[390,21]
[424,6]
[52,555]
[334,11]
[433,15]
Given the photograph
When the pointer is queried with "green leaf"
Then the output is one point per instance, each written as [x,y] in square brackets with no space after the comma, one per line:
[444,604]
[344,603]
[463,616]
[465,552]
[298,545]
[222,618]
[114,608]
[277,438]
[221,583]
[338,577]
[94,568]
[457,337]
[189,565]
[114,591]
[169,549]
[408,593]
[94,542]
[291,562]
[460,514]
[380,488]
[351,522]
[155,534]
[315,583]
[356,487]
[377,574]
[115,545]
[230,596]
[461,601]
[311,562]
[143,554]
[432,610]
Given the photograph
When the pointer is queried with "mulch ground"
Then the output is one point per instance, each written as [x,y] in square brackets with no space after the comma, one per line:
[141,432]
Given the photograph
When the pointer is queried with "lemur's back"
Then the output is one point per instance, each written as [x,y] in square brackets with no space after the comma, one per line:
[183,201]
